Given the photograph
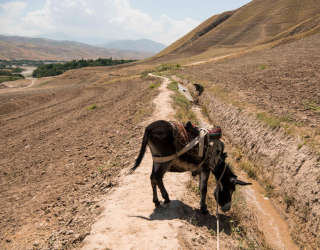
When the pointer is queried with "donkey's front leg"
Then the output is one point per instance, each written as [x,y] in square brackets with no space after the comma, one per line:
[203,183]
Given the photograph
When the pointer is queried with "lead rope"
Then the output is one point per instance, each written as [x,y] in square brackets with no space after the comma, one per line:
[219,185]
[217,215]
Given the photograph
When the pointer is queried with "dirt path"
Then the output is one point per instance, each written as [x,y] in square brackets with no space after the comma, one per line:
[129,220]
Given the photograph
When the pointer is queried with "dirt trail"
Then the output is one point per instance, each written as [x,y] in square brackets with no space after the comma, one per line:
[129,220]
[270,222]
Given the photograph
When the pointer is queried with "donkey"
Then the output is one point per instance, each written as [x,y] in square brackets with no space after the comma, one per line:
[160,137]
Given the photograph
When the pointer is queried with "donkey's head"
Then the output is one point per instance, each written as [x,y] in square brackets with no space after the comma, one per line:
[222,171]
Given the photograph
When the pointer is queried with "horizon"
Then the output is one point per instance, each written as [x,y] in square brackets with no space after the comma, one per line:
[96,22]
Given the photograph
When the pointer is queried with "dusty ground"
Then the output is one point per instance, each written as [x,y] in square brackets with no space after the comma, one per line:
[61,161]
[283,80]
[130,220]
[278,87]
[59,153]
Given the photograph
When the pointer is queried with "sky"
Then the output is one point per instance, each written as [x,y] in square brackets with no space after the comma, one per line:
[99,21]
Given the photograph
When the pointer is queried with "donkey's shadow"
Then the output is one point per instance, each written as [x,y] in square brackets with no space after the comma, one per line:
[178,210]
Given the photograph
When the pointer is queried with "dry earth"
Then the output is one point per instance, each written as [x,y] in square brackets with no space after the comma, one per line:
[63,143]
[130,221]
[268,103]
[61,161]
[284,80]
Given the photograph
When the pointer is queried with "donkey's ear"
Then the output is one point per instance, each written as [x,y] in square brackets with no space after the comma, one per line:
[188,125]
[235,181]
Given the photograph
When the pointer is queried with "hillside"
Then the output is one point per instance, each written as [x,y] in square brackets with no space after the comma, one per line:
[141,45]
[254,24]
[69,140]
[15,47]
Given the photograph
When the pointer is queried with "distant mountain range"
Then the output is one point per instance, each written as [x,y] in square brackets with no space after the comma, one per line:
[141,45]
[17,47]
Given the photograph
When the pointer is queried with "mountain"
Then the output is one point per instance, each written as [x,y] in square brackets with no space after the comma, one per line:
[16,47]
[142,45]
[257,23]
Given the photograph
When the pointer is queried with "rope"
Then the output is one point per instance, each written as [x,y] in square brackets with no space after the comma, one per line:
[219,185]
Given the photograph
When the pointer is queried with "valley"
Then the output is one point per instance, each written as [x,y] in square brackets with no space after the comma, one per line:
[68,140]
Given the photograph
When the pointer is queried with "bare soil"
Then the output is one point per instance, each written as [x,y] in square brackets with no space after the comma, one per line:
[283,84]
[283,80]
[63,145]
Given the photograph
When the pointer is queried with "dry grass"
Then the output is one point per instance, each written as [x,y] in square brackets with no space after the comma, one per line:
[258,25]
[243,224]
[182,105]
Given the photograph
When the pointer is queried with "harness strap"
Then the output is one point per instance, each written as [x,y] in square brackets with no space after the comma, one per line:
[203,133]
[162,159]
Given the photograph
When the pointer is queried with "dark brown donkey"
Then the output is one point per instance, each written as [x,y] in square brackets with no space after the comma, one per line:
[161,137]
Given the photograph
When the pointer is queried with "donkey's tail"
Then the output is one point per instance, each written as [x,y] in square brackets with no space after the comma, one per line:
[142,150]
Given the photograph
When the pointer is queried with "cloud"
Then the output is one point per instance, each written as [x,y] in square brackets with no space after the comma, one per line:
[86,20]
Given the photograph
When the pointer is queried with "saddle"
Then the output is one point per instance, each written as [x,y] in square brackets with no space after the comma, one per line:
[182,137]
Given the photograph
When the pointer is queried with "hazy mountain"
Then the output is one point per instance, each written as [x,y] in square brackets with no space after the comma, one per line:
[142,45]
[16,47]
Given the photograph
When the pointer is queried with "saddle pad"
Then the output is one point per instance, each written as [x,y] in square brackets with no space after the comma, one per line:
[215,133]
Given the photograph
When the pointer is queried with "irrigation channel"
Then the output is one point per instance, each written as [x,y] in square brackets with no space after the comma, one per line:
[270,222]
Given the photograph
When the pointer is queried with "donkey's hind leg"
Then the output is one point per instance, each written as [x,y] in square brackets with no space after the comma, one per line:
[160,170]
[154,188]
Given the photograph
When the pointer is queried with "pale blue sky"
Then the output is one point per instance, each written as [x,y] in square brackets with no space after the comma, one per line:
[200,10]
[97,21]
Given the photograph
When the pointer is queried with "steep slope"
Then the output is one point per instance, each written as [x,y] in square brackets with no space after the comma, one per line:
[256,23]
[15,47]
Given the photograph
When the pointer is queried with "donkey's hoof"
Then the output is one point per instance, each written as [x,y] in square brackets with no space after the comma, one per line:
[157,203]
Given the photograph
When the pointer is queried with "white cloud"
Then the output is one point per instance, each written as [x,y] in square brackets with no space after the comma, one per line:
[89,19]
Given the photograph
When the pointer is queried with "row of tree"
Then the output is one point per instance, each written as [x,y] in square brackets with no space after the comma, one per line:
[24,62]
[59,68]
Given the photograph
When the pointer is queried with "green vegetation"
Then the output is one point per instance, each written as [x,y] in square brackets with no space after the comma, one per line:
[262,67]
[154,85]
[312,106]
[146,73]
[167,67]
[59,68]
[10,74]
[92,107]
[271,121]
[183,109]
[10,63]
[161,68]
[173,86]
